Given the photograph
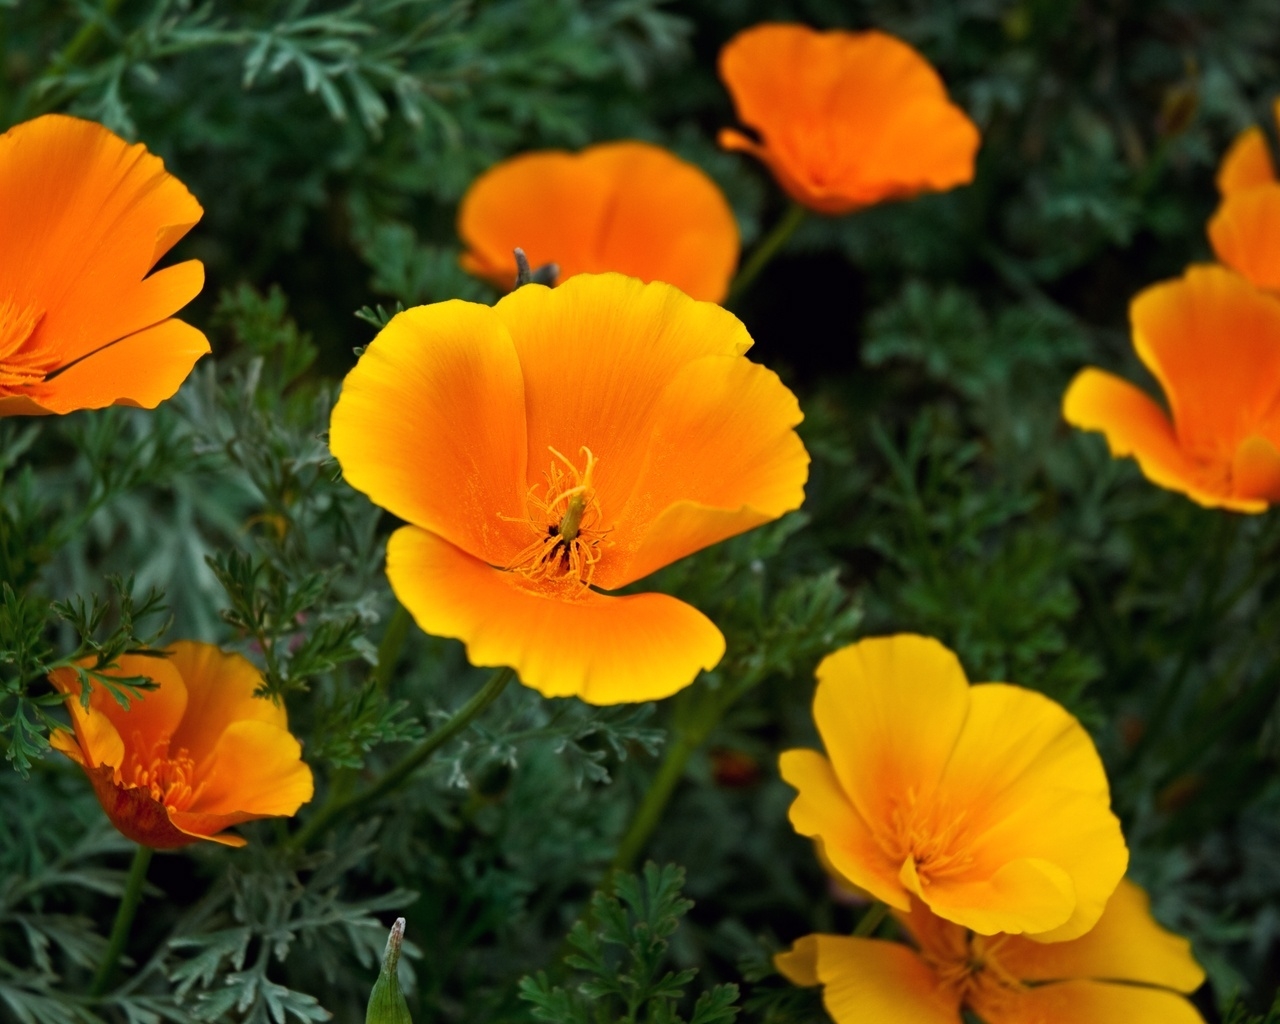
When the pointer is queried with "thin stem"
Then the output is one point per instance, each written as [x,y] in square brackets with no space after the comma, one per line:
[767,249]
[337,806]
[392,644]
[129,901]
[871,920]
[656,798]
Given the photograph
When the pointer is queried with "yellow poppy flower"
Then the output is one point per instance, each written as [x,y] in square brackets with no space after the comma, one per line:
[631,207]
[988,803]
[1213,343]
[1245,231]
[83,324]
[191,758]
[561,443]
[1126,970]
[845,119]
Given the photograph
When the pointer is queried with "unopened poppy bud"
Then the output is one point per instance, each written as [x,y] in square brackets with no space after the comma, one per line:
[386,1002]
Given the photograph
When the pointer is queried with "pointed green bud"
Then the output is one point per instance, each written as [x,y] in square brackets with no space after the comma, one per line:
[386,1001]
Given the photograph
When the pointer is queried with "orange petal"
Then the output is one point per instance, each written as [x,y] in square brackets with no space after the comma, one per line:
[1213,341]
[799,964]
[846,119]
[1135,425]
[606,650]
[253,771]
[597,353]
[86,216]
[866,980]
[822,811]
[1044,851]
[1255,470]
[629,207]
[220,691]
[1245,233]
[723,458]
[431,426]
[142,370]
[136,814]
[1125,945]
[1088,1002]
[1247,163]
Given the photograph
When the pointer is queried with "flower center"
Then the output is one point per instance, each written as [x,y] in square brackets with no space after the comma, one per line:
[170,778]
[21,364]
[564,517]
[971,968]
[931,837]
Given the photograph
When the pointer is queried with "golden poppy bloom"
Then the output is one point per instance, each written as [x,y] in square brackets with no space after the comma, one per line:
[191,758]
[845,119]
[82,323]
[1213,343]
[561,443]
[988,803]
[629,207]
[1126,970]
[1245,231]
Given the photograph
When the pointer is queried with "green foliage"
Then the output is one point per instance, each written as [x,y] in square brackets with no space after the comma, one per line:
[622,949]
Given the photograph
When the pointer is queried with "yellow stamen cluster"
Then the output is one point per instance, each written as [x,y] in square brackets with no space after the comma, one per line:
[21,367]
[933,846]
[167,776]
[565,518]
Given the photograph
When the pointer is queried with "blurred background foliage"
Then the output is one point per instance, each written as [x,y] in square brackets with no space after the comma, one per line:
[930,343]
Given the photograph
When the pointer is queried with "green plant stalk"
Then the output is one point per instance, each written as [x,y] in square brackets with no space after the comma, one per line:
[767,249]
[392,644]
[337,805]
[871,920]
[129,900]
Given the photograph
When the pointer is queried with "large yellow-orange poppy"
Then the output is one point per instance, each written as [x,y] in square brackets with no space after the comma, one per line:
[1126,970]
[1213,343]
[1245,231]
[83,324]
[191,758]
[845,119]
[565,442]
[988,803]
[631,207]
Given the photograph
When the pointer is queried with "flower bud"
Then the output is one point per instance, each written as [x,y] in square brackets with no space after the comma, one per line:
[386,1002]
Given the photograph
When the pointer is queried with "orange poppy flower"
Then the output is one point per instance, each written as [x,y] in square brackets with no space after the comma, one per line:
[1213,343]
[82,323]
[1245,231]
[1126,970]
[191,758]
[988,803]
[845,119]
[563,442]
[630,207]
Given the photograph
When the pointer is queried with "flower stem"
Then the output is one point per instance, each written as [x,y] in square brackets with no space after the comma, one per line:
[871,920]
[767,249]
[337,806]
[392,644]
[129,901]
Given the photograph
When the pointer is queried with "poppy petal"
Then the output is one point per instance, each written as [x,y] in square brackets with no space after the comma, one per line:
[141,370]
[1255,470]
[1245,233]
[629,207]
[606,650]
[1135,425]
[430,425]
[597,353]
[1247,163]
[1089,1002]
[253,770]
[220,690]
[723,458]
[867,980]
[822,811]
[1125,945]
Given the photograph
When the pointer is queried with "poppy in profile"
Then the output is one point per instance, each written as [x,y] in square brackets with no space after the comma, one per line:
[565,442]
[1245,230]
[84,322]
[845,119]
[1212,341]
[629,207]
[1125,969]
[191,758]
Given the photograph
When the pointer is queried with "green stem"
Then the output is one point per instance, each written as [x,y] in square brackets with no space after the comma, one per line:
[871,920]
[337,806]
[392,644]
[129,901]
[767,249]
[655,801]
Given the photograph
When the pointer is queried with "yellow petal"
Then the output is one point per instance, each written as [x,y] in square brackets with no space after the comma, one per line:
[866,981]
[799,964]
[220,691]
[254,771]
[1245,233]
[1089,1002]
[723,458]
[1020,895]
[1125,945]
[430,425]
[822,810]
[606,650]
